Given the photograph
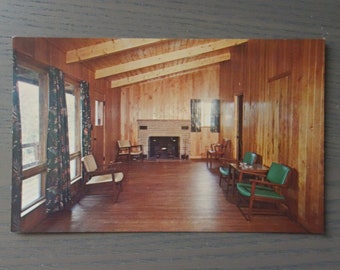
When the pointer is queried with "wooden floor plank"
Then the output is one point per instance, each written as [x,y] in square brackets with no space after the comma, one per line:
[164,196]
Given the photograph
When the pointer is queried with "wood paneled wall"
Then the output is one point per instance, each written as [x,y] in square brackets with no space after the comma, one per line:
[169,99]
[233,82]
[284,118]
[44,54]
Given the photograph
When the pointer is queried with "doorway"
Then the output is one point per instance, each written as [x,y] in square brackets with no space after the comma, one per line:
[99,128]
[238,103]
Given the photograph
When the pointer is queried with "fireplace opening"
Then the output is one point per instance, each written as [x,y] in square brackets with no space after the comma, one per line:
[163,147]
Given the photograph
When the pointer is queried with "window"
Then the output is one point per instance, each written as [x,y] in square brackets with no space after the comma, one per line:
[205,114]
[74,128]
[33,95]
[30,123]
[99,112]
[33,107]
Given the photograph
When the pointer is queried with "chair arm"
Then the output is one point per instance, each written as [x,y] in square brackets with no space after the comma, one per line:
[262,175]
[264,182]
[136,146]
[100,171]
[226,161]
[119,167]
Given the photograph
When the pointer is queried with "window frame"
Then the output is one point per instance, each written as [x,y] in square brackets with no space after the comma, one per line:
[39,168]
[71,87]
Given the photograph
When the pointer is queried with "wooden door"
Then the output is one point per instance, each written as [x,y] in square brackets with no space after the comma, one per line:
[238,103]
[280,120]
[99,128]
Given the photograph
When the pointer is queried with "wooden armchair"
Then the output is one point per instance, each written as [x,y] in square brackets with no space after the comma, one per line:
[270,190]
[218,151]
[128,151]
[95,175]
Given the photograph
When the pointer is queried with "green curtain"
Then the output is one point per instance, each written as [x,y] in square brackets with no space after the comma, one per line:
[16,152]
[86,118]
[215,116]
[196,112]
[58,159]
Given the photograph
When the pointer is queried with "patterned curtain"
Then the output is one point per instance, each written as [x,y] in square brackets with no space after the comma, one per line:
[86,118]
[215,116]
[58,158]
[16,153]
[196,112]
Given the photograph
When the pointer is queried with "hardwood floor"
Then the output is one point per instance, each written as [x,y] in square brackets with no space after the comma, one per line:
[164,196]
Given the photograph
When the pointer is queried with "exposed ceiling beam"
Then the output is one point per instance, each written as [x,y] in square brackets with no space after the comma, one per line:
[170,70]
[167,57]
[108,47]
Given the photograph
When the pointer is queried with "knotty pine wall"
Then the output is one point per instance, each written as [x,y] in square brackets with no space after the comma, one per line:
[41,52]
[282,83]
[169,99]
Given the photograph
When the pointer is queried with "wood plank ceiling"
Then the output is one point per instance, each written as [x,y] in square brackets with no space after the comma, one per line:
[133,60]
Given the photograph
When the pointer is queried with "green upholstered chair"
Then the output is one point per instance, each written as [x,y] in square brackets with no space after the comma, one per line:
[269,189]
[249,158]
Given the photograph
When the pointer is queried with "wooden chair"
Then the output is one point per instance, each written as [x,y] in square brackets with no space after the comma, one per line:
[128,151]
[249,158]
[269,190]
[95,175]
[218,151]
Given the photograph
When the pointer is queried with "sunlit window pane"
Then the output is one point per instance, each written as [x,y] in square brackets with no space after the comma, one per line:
[206,113]
[73,168]
[30,123]
[71,114]
[31,190]
[73,118]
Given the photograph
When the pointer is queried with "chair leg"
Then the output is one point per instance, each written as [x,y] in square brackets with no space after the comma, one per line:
[227,184]
[118,189]
[209,160]
[250,209]
[232,183]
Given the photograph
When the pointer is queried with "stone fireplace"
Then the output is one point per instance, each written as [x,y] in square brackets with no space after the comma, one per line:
[165,138]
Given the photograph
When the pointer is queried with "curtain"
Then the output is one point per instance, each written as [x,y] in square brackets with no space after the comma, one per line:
[215,116]
[86,118]
[196,112]
[58,158]
[16,152]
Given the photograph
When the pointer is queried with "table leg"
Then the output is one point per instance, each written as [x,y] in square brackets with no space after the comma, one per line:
[208,159]
[233,178]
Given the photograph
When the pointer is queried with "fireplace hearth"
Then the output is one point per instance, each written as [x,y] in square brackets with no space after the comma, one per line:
[164,147]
